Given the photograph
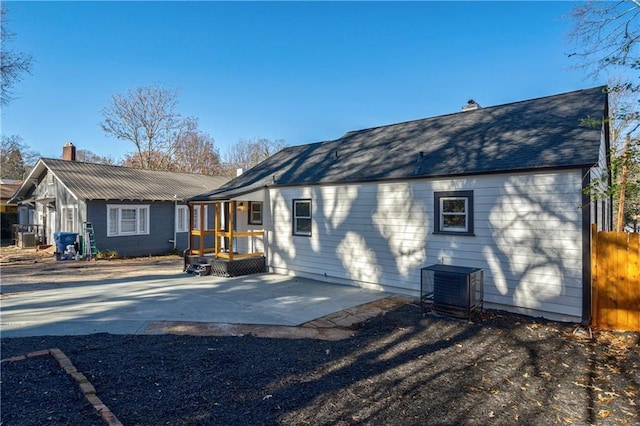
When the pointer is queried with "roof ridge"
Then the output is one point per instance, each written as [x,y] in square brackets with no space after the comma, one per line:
[436,117]
[45,159]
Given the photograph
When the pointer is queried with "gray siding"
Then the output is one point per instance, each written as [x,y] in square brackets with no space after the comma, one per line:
[182,241]
[158,241]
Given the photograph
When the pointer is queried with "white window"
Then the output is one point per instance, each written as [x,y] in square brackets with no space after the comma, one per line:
[182,216]
[454,212]
[196,217]
[302,217]
[68,220]
[127,220]
[255,213]
[50,189]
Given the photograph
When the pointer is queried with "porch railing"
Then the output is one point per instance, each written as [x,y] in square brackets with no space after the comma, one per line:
[224,241]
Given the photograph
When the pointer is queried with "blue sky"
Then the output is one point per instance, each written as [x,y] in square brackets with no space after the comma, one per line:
[299,71]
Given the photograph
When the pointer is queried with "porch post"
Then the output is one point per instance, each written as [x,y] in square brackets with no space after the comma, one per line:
[232,209]
[216,243]
[201,229]
[190,225]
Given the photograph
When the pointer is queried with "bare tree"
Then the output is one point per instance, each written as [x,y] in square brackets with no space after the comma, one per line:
[606,36]
[247,153]
[15,157]
[624,155]
[87,156]
[195,152]
[624,186]
[631,208]
[13,65]
[606,39]
[192,151]
[147,117]
[155,161]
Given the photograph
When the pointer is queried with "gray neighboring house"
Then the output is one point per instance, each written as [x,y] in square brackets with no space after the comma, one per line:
[499,188]
[135,212]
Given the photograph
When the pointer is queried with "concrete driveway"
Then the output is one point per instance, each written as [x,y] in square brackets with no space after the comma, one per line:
[137,305]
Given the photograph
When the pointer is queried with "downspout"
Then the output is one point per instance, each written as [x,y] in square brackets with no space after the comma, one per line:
[189,236]
[267,220]
[175,220]
[586,248]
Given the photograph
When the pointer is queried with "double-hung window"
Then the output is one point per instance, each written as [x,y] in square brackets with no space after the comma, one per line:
[255,213]
[302,217]
[182,218]
[127,219]
[453,212]
[69,214]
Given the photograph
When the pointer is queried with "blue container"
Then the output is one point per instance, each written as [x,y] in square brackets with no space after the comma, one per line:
[64,239]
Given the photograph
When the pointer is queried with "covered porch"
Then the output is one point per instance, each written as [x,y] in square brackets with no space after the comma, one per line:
[220,243]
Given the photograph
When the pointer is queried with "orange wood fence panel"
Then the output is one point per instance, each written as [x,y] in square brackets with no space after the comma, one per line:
[616,280]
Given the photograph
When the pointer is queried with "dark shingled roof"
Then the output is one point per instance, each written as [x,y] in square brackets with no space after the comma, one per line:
[91,181]
[544,133]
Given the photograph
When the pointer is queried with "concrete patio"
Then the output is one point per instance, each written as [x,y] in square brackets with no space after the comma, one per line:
[261,304]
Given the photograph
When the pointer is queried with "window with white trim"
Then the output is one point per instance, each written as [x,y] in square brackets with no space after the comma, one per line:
[182,218]
[453,212]
[196,217]
[125,219]
[68,219]
[255,213]
[302,217]
[50,189]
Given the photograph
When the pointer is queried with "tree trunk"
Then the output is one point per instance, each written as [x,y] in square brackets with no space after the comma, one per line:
[623,185]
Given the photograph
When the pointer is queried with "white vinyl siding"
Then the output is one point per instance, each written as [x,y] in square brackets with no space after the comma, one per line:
[123,220]
[182,219]
[527,227]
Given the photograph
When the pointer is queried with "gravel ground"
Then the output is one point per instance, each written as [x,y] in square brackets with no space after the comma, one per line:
[401,368]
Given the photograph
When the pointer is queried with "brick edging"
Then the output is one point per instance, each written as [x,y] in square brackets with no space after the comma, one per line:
[84,384]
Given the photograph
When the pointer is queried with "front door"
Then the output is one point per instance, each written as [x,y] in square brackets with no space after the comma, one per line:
[50,226]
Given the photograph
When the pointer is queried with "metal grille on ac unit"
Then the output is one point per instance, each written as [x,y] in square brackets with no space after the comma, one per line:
[452,290]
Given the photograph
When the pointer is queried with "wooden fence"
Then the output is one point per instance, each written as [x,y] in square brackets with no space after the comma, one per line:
[615,280]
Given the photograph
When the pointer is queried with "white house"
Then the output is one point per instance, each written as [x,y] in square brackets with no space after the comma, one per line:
[498,188]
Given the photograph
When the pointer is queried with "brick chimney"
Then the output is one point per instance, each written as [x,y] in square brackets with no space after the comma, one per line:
[69,152]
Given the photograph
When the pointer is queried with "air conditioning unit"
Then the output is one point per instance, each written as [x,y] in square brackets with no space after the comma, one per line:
[26,239]
[452,290]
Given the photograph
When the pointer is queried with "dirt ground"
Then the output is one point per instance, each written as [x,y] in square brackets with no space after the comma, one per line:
[30,269]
